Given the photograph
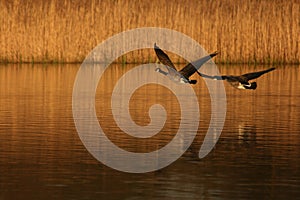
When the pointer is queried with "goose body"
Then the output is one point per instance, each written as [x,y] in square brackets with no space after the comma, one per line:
[242,81]
[173,75]
[183,75]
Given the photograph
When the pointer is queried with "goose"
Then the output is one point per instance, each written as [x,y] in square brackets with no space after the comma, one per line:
[242,81]
[183,75]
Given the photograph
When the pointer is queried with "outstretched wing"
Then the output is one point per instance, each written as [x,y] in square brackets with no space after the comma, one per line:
[163,57]
[253,75]
[212,77]
[233,80]
[193,67]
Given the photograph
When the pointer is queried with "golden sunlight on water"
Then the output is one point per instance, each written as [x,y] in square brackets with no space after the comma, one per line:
[257,155]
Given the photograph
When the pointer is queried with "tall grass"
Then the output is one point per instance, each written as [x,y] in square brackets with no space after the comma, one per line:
[258,31]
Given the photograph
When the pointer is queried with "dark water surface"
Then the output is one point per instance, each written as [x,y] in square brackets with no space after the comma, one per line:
[42,157]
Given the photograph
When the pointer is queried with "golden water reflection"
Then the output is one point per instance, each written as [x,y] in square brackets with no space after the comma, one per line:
[257,154]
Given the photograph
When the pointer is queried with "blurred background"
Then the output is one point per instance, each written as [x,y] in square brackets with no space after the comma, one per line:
[66,31]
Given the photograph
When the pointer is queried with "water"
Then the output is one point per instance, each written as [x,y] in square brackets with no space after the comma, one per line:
[42,156]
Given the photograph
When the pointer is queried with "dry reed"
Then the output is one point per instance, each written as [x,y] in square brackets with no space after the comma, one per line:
[65,31]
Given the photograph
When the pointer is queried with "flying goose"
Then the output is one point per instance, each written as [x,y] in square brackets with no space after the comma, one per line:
[242,81]
[183,75]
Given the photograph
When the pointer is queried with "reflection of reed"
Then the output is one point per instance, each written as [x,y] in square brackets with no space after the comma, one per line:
[41,151]
[39,98]
[140,102]
[255,31]
[242,106]
[36,113]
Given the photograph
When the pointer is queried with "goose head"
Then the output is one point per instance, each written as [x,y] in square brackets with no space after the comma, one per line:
[161,71]
[192,81]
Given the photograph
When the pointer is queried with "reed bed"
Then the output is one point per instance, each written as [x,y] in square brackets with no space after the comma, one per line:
[258,31]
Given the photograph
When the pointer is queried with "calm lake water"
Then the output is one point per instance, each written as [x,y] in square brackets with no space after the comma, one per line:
[42,157]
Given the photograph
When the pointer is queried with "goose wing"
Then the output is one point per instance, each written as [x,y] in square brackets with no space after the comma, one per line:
[233,80]
[193,67]
[254,75]
[163,57]
[212,77]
